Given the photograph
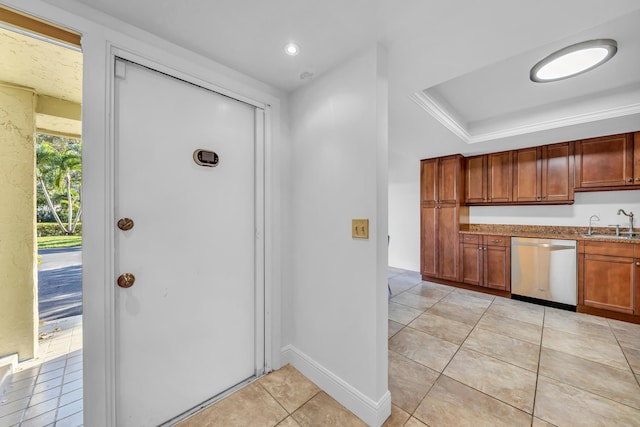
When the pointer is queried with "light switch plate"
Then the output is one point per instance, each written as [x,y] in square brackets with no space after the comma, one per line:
[360,228]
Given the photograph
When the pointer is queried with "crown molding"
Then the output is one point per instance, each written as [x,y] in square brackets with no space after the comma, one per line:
[448,120]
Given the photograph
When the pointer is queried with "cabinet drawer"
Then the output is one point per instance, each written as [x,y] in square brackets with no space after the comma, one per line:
[497,240]
[609,249]
[469,238]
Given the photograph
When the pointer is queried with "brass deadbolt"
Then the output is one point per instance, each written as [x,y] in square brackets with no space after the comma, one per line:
[126,280]
[125,224]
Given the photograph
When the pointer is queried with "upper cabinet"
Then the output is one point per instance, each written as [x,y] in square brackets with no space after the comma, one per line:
[440,182]
[550,174]
[608,162]
[488,178]
[543,174]
[636,158]
[476,180]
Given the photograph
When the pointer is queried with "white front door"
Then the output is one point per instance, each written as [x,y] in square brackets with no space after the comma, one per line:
[186,329]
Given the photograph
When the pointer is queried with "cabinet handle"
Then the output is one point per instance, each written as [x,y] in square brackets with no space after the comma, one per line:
[629,179]
[638,263]
[638,179]
[496,241]
[485,248]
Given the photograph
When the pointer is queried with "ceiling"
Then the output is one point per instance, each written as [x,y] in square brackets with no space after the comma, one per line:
[469,54]
[470,106]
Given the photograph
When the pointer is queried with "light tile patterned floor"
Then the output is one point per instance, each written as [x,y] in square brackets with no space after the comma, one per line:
[284,398]
[456,358]
[47,390]
[459,357]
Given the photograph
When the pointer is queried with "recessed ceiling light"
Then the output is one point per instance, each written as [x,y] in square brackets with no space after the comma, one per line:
[573,60]
[291,49]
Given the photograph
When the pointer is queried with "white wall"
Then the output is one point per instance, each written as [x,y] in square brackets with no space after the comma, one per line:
[404,216]
[404,224]
[338,298]
[605,204]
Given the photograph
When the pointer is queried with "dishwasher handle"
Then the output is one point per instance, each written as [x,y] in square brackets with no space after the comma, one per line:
[543,245]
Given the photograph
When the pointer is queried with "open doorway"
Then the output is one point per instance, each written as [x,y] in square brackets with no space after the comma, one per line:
[41,324]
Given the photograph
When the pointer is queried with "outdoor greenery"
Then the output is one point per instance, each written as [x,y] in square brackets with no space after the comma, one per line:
[59,241]
[44,229]
[59,178]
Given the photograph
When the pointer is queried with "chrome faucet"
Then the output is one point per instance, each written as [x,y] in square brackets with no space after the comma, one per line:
[630,215]
[592,217]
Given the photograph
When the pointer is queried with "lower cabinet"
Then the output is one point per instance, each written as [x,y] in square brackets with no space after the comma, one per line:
[486,261]
[609,276]
[438,242]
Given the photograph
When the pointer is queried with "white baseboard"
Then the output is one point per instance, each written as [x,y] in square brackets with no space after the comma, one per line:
[371,412]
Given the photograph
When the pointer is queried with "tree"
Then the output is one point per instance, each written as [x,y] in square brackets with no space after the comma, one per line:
[59,175]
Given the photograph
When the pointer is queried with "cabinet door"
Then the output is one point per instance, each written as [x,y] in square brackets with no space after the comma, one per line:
[636,158]
[448,180]
[608,282]
[636,309]
[604,162]
[557,172]
[448,229]
[471,262]
[476,179]
[428,241]
[428,177]
[497,262]
[499,177]
[526,175]
[497,267]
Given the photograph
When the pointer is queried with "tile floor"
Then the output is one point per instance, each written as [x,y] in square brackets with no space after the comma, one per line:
[462,358]
[456,358]
[285,398]
[47,390]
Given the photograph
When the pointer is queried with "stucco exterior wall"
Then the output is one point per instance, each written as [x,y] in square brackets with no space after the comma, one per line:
[18,280]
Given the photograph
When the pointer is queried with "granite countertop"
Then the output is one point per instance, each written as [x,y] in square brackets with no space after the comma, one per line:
[602,234]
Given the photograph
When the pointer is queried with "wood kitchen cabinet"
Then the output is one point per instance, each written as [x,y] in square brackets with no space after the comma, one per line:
[486,261]
[608,162]
[608,276]
[543,174]
[636,158]
[441,198]
[439,241]
[440,180]
[488,178]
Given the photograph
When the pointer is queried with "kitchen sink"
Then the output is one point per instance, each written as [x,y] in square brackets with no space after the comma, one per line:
[634,237]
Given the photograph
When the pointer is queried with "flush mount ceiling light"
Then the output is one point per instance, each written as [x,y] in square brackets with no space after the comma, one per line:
[291,49]
[573,60]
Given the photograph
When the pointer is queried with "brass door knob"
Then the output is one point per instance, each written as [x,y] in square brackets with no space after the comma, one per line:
[125,224]
[126,280]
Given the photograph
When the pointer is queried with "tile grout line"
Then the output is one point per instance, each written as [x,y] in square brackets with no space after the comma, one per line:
[289,414]
[459,347]
[441,374]
[590,361]
[535,390]
[623,353]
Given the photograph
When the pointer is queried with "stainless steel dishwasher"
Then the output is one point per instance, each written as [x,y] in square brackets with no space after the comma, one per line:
[544,270]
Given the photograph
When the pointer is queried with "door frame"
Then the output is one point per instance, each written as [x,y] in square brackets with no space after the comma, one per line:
[263,287]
